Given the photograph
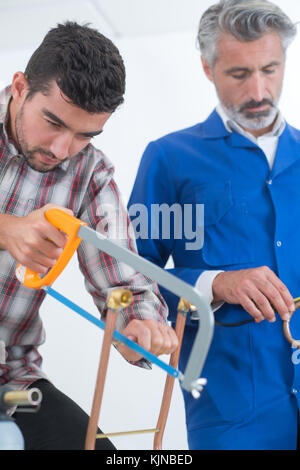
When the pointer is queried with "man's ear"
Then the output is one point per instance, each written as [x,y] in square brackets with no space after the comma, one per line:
[19,87]
[207,69]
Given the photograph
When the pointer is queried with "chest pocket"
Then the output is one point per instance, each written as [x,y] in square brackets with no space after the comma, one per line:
[227,240]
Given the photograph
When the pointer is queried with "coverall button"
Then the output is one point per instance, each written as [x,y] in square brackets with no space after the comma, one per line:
[278,243]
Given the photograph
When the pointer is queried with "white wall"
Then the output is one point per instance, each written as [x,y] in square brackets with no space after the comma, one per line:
[166,90]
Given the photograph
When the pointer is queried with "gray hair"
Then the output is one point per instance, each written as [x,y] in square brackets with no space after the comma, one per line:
[246,20]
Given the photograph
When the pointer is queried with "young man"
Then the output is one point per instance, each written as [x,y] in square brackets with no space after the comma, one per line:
[243,165]
[72,84]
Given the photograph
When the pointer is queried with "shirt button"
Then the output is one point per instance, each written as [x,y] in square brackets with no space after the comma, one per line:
[278,243]
[269,182]
[294,391]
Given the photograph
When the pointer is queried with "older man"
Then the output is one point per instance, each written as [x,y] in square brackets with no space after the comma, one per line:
[243,165]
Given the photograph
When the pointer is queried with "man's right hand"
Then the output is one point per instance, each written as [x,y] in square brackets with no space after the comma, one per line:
[32,240]
[258,290]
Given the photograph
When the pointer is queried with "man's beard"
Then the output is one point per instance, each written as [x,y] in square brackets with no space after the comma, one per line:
[250,120]
[30,154]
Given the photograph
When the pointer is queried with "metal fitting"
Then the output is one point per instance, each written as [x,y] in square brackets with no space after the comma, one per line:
[119,298]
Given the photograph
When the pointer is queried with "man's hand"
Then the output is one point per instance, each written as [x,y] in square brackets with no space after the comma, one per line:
[153,336]
[258,290]
[32,240]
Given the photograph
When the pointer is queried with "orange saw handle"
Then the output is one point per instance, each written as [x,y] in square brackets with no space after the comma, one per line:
[67,224]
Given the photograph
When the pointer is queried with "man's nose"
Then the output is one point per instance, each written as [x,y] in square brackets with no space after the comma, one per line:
[257,87]
[61,146]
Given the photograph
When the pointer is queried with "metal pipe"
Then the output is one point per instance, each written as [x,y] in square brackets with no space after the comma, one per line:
[30,397]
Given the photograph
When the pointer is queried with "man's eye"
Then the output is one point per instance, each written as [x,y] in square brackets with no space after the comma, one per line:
[269,71]
[239,76]
[53,124]
[85,137]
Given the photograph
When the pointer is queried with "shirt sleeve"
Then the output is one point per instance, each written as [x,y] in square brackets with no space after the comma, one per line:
[204,285]
[104,211]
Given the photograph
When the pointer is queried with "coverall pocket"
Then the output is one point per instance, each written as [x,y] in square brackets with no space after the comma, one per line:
[226,238]
[230,368]
[229,393]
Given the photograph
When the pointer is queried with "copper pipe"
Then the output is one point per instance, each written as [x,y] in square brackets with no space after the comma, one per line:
[118,298]
[100,381]
[286,329]
[183,308]
[126,433]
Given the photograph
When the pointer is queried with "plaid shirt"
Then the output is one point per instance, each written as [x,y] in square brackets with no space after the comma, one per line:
[85,185]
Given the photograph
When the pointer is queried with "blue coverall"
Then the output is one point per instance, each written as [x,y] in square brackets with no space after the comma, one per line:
[251,219]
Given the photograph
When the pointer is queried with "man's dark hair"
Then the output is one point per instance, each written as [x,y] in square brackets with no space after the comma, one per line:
[86,66]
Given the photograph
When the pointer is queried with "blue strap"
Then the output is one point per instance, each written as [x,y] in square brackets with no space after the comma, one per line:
[117,336]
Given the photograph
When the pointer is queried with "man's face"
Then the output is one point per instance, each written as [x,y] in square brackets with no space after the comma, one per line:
[49,129]
[248,78]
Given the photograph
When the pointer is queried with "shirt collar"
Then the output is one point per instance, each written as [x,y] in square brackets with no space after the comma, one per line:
[5,97]
[233,126]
